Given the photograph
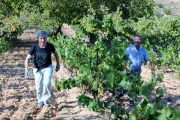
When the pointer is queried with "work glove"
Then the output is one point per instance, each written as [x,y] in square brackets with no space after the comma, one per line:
[57,67]
[27,74]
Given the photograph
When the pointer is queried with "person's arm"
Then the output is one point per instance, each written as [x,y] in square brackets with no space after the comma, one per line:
[57,57]
[57,61]
[27,74]
[27,61]
[149,64]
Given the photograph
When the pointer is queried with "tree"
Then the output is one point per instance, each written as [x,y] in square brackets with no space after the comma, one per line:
[51,14]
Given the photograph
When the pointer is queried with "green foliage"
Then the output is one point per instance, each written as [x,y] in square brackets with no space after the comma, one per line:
[14,18]
[91,77]
[170,56]
[108,72]
[104,70]
[149,111]
[91,24]
[51,14]
[159,5]
[79,29]
[59,12]
[158,14]
[66,84]
[91,103]
[167,11]
[4,44]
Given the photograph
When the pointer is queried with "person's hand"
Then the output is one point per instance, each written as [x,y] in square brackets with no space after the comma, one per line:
[57,67]
[27,74]
[128,71]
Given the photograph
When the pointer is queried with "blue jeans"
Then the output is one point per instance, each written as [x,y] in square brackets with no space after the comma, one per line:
[136,73]
[43,83]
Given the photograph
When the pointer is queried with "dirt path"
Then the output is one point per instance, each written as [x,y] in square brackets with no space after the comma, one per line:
[18,96]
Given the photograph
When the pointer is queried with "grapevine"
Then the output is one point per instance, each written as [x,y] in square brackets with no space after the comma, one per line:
[109,73]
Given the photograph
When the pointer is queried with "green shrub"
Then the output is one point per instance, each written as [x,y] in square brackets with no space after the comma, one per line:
[167,11]
[159,5]
[158,14]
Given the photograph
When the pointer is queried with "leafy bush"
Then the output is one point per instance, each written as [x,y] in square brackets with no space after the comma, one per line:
[4,43]
[158,14]
[159,5]
[167,11]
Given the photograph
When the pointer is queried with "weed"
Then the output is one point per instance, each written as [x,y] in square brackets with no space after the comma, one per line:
[158,14]
[167,11]
[159,5]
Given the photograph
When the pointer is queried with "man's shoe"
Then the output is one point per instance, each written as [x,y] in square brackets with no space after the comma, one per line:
[46,104]
[40,105]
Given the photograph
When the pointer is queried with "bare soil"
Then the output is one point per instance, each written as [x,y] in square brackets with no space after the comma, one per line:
[174,5]
[18,95]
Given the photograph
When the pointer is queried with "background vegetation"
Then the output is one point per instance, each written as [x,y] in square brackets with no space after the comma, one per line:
[110,26]
[167,11]
[159,5]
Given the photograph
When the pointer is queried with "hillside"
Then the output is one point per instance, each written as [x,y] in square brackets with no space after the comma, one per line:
[174,5]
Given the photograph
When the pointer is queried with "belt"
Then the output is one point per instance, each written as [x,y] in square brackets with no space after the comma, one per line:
[136,70]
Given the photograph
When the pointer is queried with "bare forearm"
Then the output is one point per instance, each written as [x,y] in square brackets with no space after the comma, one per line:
[149,64]
[27,61]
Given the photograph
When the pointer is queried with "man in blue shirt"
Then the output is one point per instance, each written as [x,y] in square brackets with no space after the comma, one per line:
[137,54]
